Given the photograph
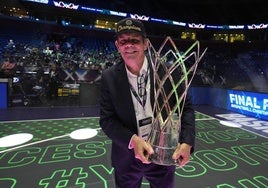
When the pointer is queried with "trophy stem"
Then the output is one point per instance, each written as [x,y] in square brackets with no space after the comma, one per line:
[164,141]
[162,150]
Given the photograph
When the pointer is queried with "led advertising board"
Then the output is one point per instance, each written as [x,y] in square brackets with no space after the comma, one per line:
[248,103]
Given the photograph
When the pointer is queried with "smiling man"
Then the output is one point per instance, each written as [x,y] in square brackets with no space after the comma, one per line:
[127,96]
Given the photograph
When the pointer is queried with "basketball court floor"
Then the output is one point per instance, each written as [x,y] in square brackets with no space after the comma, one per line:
[231,150]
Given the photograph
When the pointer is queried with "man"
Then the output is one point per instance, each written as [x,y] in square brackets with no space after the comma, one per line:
[126,107]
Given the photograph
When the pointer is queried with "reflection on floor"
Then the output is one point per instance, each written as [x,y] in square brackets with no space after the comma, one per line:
[225,157]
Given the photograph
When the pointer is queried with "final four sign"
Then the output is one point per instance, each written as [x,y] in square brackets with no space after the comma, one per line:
[253,104]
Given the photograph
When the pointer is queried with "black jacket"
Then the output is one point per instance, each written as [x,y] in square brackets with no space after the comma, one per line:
[117,115]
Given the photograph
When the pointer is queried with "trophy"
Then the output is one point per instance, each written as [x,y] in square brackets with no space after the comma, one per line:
[174,71]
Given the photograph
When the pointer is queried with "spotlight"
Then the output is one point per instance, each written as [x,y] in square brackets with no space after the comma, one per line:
[82,134]
[15,139]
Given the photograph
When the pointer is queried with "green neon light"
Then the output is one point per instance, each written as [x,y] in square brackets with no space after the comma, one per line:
[220,150]
[64,178]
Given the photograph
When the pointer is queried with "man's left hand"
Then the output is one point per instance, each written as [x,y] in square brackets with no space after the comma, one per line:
[182,154]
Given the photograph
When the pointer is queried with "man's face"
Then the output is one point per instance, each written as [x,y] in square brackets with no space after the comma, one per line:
[131,47]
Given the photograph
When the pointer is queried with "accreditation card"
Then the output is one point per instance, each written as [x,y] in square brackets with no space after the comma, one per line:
[145,126]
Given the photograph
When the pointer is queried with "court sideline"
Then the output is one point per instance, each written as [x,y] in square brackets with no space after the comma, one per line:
[229,153]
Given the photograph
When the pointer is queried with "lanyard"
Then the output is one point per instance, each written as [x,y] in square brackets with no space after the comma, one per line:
[144,97]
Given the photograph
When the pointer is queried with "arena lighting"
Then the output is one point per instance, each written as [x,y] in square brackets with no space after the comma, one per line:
[258,26]
[63,4]
[39,1]
[230,124]
[15,139]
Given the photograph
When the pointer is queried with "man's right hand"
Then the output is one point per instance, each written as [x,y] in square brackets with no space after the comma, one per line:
[142,149]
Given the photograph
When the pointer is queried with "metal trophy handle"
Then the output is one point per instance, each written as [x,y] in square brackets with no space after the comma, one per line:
[173,74]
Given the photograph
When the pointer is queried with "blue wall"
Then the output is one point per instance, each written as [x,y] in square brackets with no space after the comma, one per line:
[3,94]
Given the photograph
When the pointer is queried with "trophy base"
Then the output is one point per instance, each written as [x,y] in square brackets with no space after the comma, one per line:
[163,156]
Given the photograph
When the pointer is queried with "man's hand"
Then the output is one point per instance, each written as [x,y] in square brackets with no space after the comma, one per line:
[142,149]
[182,154]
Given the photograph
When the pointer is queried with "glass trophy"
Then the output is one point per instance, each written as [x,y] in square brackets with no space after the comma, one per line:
[174,71]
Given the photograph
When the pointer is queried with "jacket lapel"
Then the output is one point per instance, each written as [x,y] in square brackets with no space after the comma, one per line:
[152,98]
[124,94]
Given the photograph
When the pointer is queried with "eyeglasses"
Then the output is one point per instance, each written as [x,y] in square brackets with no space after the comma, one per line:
[141,85]
[129,41]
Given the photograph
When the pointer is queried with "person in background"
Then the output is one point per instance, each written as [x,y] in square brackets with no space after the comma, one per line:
[9,67]
[53,83]
[40,75]
[125,106]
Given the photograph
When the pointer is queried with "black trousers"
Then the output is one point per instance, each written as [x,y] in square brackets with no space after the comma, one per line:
[157,175]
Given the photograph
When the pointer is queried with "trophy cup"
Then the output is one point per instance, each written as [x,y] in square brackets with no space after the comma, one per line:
[173,74]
